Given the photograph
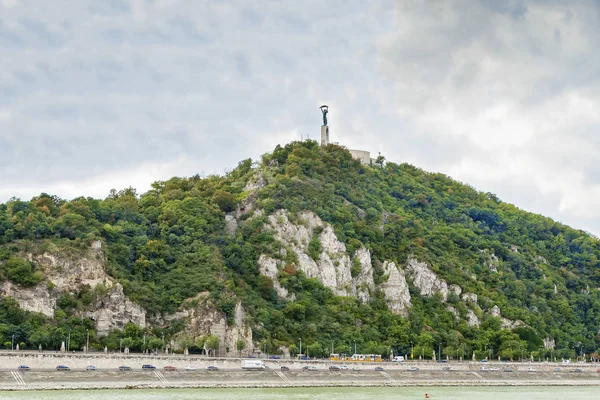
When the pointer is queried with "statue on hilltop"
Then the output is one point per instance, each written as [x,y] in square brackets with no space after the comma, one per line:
[324,110]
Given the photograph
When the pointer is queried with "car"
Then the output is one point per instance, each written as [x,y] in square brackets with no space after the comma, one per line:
[598,370]
[275,357]
[494,369]
[447,369]
[577,370]
[90,368]
[531,369]
[212,368]
[170,368]
[344,367]
[413,369]
[483,369]
[284,368]
[443,361]
[378,368]
[557,369]
[190,368]
[484,360]
[334,368]
[309,368]
[62,368]
[24,368]
[124,368]
[148,366]
[355,368]
[304,358]
[507,369]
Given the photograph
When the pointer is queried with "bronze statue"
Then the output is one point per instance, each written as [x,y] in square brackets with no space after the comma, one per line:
[324,110]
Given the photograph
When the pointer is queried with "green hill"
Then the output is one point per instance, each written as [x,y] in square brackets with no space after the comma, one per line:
[316,246]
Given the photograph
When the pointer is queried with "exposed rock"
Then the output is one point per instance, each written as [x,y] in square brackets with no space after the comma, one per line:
[230,225]
[469,297]
[269,267]
[333,266]
[514,249]
[452,310]
[549,343]
[555,289]
[472,319]
[456,289]
[425,279]
[490,260]
[506,323]
[395,289]
[70,274]
[252,187]
[541,259]
[114,310]
[36,299]
[204,319]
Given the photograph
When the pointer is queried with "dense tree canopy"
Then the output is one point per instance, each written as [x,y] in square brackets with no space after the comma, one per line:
[170,243]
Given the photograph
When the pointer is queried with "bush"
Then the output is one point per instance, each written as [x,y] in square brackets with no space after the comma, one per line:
[22,272]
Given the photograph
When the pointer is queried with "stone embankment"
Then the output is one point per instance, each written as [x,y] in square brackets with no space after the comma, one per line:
[43,374]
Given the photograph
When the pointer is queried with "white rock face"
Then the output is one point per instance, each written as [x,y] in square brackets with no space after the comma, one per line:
[457,290]
[472,319]
[270,267]
[549,343]
[469,297]
[506,323]
[69,274]
[395,289]
[333,266]
[425,279]
[36,299]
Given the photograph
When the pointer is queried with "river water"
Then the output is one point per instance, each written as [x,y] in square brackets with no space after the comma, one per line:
[435,393]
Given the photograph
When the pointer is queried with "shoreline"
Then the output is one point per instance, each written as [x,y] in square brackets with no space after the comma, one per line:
[247,385]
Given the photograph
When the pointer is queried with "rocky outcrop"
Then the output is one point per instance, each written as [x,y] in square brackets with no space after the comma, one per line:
[114,310]
[472,319]
[37,299]
[490,260]
[251,190]
[469,297]
[333,267]
[549,343]
[204,319]
[506,323]
[395,289]
[425,279]
[70,274]
[270,267]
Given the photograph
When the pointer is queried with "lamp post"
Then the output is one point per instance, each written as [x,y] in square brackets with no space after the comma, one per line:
[120,345]
[69,341]
[163,340]
[300,345]
[355,347]
[13,342]
[87,343]
[411,350]
[144,349]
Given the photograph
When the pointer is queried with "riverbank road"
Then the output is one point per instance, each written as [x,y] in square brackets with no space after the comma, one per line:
[81,379]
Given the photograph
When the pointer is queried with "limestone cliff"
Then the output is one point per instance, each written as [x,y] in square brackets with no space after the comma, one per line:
[333,267]
[68,272]
[425,279]
[395,289]
[204,319]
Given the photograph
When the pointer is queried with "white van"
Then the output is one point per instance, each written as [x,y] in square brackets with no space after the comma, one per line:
[398,359]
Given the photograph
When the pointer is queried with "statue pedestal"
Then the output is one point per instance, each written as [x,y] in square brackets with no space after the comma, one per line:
[324,135]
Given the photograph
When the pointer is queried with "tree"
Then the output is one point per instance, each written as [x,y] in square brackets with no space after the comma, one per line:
[240,345]
[212,343]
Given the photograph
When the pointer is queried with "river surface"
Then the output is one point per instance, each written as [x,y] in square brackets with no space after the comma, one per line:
[435,393]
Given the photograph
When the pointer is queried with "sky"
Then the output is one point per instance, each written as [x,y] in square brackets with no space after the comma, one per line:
[504,96]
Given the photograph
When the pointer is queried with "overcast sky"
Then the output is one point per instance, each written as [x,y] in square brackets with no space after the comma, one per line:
[108,94]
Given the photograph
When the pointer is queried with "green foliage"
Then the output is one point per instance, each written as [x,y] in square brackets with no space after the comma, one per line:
[170,244]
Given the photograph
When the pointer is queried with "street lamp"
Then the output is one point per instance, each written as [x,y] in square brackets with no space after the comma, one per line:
[120,344]
[300,345]
[87,343]
[355,347]
[13,342]
[144,349]
[69,341]
[411,350]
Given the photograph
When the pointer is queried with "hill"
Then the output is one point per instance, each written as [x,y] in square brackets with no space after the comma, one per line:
[307,243]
